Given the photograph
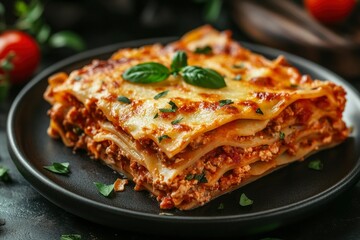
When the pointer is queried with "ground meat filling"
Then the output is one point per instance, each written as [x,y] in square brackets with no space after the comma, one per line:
[80,123]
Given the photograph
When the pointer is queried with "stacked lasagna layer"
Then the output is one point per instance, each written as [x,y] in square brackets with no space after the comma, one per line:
[215,140]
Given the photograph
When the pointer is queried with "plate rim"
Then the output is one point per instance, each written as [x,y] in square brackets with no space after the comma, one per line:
[319,199]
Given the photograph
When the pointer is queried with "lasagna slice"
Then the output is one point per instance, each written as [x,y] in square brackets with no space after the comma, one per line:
[185,143]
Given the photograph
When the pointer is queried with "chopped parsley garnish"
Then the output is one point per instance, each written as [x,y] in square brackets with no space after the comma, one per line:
[59,168]
[221,206]
[245,201]
[203,50]
[4,174]
[282,136]
[258,111]
[316,165]
[124,99]
[173,105]
[166,110]
[162,137]
[78,78]
[70,237]
[240,65]
[160,95]
[225,102]
[177,121]
[237,77]
[156,115]
[201,178]
[172,109]
[104,189]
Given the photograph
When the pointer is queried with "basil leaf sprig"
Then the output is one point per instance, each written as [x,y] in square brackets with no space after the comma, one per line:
[149,72]
[179,61]
[153,72]
[203,77]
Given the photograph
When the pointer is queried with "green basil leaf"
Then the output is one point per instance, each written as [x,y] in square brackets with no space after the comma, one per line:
[149,72]
[225,102]
[162,137]
[179,61]
[316,165]
[177,121]
[124,99]
[258,111]
[245,201]
[166,110]
[4,174]
[172,109]
[282,136]
[203,50]
[173,105]
[203,77]
[160,95]
[67,39]
[104,189]
[59,168]
[156,115]
[70,237]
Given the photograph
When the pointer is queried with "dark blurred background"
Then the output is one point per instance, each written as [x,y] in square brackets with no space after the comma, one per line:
[276,23]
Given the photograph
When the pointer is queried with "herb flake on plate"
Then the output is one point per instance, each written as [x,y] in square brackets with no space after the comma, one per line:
[59,168]
[245,201]
[70,237]
[104,189]
[4,174]
[316,165]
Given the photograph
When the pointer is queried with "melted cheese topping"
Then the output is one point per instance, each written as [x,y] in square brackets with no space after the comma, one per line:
[266,85]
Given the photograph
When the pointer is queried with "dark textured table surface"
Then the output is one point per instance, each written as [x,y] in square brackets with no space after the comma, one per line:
[25,214]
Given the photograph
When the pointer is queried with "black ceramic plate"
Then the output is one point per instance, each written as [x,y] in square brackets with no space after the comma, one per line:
[284,196]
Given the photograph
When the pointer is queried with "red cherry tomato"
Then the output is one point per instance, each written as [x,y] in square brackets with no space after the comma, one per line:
[330,11]
[26,54]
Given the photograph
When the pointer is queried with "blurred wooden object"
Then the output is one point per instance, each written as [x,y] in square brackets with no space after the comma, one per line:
[287,25]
